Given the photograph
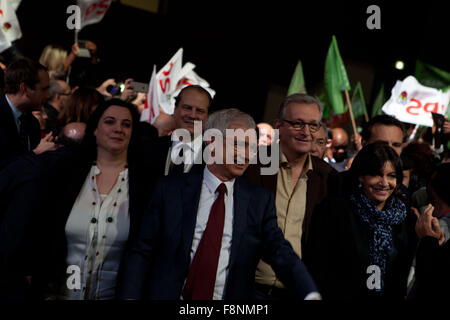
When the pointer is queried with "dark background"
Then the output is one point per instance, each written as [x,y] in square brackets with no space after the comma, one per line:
[243,47]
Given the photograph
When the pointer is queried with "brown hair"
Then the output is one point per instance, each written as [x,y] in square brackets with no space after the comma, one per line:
[22,71]
[82,103]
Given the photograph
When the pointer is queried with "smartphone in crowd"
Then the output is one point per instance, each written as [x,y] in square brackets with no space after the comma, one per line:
[84,52]
[139,86]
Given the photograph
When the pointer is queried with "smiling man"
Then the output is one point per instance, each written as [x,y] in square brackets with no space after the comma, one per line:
[191,105]
[300,184]
[209,246]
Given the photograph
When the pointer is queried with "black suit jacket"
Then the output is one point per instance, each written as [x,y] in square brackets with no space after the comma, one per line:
[10,144]
[158,262]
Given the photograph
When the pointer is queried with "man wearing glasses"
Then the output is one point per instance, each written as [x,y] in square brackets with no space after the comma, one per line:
[59,96]
[300,183]
[321,142]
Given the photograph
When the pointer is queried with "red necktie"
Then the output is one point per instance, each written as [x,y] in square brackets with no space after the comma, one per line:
[202,274]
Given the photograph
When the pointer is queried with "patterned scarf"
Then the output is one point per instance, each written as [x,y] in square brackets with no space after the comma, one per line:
[379,224]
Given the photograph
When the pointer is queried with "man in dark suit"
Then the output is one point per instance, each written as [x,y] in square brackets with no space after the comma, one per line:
[191,104]
[299,184]
[26,90]
[204,233]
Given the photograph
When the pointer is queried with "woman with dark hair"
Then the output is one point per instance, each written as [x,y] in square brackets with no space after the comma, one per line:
[359,242]
[80,106]
[98,193]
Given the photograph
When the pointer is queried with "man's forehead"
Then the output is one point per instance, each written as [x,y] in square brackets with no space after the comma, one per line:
[380,129]
[308,110]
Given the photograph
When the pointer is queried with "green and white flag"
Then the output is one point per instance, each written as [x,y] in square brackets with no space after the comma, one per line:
[336,80]
[297,84]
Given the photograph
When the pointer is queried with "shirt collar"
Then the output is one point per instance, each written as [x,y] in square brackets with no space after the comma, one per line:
[194,145]
[308,163]
[212,182]
[16,112]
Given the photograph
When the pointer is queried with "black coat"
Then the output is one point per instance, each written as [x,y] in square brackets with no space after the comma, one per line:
[10,144]
[432,267]
[339,255]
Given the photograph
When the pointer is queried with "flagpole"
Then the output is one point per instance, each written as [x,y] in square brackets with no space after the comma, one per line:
[351,112]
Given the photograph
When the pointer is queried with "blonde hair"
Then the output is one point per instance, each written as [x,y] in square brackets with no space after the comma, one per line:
[53,57]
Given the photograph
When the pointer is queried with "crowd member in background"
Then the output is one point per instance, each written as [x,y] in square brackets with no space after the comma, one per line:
[384,128]
[80,106]
[165,123]
[90,220]
[72,134]
[359,238]
[59,96]
[300,184]
[41,116]
[433,253]
[423,163]
[337,153]
[57,60]
[265,134]
[321,142]
[26,90]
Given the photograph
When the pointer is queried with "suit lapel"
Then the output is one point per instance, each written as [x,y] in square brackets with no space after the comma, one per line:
[241,201]
[190,196]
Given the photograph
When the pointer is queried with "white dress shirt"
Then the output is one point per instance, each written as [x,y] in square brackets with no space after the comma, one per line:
[191,155]
[208,195]
[97,248]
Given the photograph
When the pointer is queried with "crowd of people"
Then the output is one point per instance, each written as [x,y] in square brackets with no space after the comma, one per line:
[93,205]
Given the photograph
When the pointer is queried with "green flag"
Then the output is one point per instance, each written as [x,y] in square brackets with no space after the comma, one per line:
[336,79]
[431,76]
[358,103]
[379,102]
[326,107]
[297,82]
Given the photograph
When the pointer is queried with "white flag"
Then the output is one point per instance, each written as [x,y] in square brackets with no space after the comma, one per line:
[92,11]
[412,102]
[151,109]
[173,78]
[167,79]
[9,24]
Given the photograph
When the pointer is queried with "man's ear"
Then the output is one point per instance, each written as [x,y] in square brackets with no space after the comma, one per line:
[22,88]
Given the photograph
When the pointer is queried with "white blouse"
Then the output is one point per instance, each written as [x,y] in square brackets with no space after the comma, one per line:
[96,232]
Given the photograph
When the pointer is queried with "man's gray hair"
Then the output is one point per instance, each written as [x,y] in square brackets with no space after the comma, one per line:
[300,98]
[54,89]
[222,119]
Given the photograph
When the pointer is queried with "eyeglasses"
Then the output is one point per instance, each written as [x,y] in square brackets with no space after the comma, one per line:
[300,125]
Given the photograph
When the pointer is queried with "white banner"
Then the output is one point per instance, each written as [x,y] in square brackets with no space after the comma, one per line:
[9,24]
[92,11]
[173,77]
[412,102]
[151,109]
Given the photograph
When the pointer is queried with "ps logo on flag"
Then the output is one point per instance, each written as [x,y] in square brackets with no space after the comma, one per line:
[374,20]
